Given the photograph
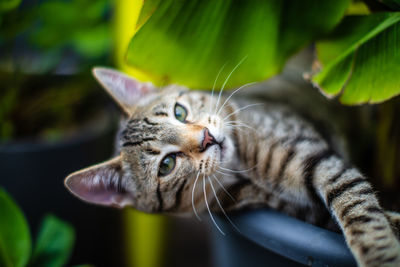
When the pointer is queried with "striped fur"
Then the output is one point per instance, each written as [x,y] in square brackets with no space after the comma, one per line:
[293,159]
[267,156]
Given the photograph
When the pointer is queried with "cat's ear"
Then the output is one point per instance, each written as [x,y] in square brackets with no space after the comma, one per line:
[124,89]
[100,184]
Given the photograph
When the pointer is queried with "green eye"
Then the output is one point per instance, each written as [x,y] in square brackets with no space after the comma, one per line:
[167,164]
[180,113]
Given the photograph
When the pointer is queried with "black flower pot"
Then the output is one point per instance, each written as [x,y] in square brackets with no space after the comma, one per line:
[270,238]
[33,173]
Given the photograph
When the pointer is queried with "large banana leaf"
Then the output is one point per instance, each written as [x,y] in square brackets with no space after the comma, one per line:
[189,42]
[361,59]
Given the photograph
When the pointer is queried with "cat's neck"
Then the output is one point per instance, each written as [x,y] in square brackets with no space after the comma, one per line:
[246,141]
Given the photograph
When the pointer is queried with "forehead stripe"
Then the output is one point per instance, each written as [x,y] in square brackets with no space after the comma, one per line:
[152,151]
[146,120]
[138,142]
[161,113]
[131,143]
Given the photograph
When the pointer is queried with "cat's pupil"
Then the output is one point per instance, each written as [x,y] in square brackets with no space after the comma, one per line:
[167,164]
[180,113]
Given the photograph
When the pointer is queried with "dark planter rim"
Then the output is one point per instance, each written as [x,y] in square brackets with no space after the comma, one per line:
[291,238]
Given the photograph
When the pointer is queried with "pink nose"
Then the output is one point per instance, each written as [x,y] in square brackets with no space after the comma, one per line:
[208,140]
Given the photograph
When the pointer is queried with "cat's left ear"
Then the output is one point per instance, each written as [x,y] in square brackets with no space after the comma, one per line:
[101,184]
[125,90]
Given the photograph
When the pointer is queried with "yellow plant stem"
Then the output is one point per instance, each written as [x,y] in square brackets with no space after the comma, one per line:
[144,234]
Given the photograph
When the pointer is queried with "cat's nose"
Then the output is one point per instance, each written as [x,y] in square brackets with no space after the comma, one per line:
[208,140]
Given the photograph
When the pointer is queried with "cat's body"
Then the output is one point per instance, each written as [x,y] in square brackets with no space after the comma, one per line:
[186,152]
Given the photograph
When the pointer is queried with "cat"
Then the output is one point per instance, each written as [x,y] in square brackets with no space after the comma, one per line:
[185,152]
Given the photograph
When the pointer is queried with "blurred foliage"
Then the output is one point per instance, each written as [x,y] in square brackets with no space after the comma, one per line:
[393,4]
[77,23]
[188,42]
[28,108]
[51,27]
[15,239]
[6,5]
[39,39]
[53,245]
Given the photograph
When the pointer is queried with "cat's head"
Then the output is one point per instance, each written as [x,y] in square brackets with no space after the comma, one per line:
[171,137]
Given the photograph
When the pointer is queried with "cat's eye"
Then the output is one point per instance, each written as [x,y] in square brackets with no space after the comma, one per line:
[180,112]
[167,164]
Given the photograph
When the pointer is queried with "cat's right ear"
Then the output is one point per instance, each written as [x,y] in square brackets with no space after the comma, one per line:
[124,89]
[101,184]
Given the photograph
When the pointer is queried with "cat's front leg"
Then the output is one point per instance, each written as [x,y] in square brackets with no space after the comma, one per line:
[305,169]
[351,200]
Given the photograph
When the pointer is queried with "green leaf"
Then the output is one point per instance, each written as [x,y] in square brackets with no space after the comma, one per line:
[15,239]
[94,43]
[78,23]
[54,243]
[148,8]
[360,60]
[6,5]
[188,42]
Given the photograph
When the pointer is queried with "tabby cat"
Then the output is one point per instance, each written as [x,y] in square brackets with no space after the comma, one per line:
[185,152]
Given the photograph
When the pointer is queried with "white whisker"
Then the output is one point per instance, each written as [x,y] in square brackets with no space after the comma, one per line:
[241,87]
[226,80]
[236,111]
[223,188]
[237,128]
[194,207]
[236,122]
[215,82]
[224,173]
[236,171]
[239,124]
[219,204]
[208,208]
[240,127]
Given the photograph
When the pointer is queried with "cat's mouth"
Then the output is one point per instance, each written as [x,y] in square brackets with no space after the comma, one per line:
[209,140]
[215,154]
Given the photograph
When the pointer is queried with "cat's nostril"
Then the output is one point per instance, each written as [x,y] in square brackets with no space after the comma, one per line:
[208,139]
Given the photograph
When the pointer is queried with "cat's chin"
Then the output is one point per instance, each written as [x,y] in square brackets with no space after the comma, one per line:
[218,155]
[212,159]
[226,150]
